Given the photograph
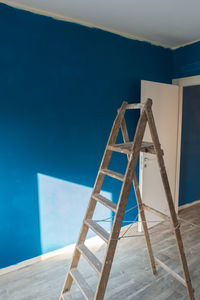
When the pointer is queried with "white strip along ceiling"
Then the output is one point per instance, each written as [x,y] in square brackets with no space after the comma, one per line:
[168,23]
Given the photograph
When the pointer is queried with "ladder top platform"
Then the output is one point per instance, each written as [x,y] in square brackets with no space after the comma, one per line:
[135,106]
[127,147]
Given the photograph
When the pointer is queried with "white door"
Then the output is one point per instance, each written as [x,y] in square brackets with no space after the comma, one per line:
[165,110]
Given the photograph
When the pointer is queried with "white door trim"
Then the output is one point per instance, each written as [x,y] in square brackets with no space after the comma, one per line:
[181,82]
[187,81]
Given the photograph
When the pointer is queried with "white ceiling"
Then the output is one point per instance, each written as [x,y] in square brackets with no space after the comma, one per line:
[170,23]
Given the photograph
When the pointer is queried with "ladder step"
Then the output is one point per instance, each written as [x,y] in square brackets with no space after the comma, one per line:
[67,296]
[82,284]
[113,174]
[126,148]
[111,205]
[98,230]
[90,257]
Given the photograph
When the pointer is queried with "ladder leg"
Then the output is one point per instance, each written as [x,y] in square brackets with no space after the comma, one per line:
[174,220]
[97,187]
[123,198]
[144,224]
[139,202]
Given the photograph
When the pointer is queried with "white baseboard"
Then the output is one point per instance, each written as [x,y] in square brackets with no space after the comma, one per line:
[188,205]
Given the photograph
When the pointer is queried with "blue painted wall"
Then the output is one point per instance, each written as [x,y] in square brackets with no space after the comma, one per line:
[60,87]
[190,146]
[186,62]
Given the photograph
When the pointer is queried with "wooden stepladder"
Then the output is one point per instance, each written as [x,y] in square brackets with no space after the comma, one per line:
[132,150]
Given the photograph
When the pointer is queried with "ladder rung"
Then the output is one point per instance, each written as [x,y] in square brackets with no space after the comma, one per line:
[126,148]
[156,212]
[82,284]
[135,106]
[98,230]
[113,174]
[111,205]
[90,257]
[174,274]
[67,296]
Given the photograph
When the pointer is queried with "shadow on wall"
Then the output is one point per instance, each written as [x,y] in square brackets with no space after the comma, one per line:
[62,206]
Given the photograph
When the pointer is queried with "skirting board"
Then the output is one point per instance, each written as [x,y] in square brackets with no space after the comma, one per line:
[188,205]
[93,243]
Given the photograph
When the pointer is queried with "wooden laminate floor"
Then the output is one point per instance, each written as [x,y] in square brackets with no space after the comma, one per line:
[131,276]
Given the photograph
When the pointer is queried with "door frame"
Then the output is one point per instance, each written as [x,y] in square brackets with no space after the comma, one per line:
[181,82]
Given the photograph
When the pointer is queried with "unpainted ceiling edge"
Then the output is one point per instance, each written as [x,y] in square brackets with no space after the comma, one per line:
[71,20]
[185,44]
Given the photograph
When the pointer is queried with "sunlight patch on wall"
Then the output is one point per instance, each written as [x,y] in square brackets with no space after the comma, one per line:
[62,208]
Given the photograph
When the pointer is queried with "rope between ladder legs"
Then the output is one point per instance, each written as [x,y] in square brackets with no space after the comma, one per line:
[109,219]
